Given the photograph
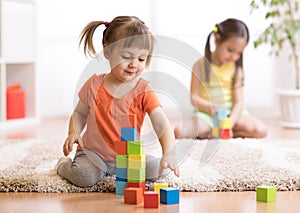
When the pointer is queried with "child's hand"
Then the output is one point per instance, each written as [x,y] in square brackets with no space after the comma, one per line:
[68,145]
[168,162]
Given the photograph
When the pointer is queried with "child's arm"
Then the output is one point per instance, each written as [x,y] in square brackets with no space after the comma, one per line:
[76,124]
[238,99]
[196,86]
[166,138]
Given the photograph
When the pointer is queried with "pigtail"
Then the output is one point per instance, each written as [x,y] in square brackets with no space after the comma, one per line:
[86,37]
[207,58]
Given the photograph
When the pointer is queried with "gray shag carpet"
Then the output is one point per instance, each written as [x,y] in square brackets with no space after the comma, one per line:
[205,166]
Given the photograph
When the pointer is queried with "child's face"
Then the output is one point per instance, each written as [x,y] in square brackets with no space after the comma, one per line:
[230,50]
[127,63]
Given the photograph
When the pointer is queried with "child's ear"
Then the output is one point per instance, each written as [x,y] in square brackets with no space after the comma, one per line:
[106,52]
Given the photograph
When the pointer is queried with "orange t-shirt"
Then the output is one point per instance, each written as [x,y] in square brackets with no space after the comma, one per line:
[103,121]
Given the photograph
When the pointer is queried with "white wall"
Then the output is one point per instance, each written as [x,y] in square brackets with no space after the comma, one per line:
[60,62]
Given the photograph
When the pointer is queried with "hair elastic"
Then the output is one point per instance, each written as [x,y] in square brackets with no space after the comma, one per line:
[106,23]
[216,29]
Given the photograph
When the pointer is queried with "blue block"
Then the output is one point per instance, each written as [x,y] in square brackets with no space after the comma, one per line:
[128,134]
[121,173]
[216,121]
[120,186]
[221,113]
[121,179]
[169,195]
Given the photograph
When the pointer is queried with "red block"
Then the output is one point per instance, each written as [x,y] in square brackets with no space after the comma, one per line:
[133,195]
[151,199]
[120,147]
[141,185]
[224,133]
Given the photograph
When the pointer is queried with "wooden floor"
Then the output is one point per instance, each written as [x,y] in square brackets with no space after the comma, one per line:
[100,202]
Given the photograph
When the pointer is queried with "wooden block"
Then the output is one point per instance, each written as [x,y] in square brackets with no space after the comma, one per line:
[215,131]
[224,133]
[169,195]
[120,186]
[120,147]
[141,185]
[128,134]
[121,161]
[158,186]
[137,161]
[133,195]
[136,175]
[266,193]
[225,123]
[151,199]
[121,173]
[221,113]
[135,147]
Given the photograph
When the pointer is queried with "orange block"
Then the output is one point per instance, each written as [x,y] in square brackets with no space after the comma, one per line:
[141,185]
[133,195]
[120,147]
[151,199]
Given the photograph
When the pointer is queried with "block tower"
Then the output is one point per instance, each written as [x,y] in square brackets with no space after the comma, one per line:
[221,125]
[130,163]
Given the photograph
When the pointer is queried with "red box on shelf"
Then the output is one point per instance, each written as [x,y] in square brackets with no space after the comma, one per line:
[15,102]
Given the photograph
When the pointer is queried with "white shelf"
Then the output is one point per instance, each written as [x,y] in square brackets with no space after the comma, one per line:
[17,57]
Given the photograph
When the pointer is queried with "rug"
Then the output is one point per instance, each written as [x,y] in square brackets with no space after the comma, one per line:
[205,166]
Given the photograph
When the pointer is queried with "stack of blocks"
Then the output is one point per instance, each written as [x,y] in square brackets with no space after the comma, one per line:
[221,125]
[266,193]
[130,164]
[131,171]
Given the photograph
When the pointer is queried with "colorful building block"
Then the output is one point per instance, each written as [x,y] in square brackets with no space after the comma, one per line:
[120,186]
[135,148]
[158,186]
[225,123]
[169,195]
[224,133]
[151,199]
[141,185]
[133,195]
[137,161]
[128,134]
[121,173]
[120,147]
[122,161]
[266,193]
[136,175]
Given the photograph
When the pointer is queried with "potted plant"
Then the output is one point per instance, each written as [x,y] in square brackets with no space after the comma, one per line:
[283,31]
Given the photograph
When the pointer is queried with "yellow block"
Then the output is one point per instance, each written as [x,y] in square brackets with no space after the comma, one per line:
[158,186]
[225,123]
[137,161]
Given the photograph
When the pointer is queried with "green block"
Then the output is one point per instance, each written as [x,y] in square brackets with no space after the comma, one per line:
[266,193]
[121,161]
[136,175]
[135,148]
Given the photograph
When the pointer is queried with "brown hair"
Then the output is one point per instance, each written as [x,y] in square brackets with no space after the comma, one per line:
[130,29]
[226,29]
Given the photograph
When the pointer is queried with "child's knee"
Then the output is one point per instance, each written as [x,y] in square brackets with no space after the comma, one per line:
[261,131]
